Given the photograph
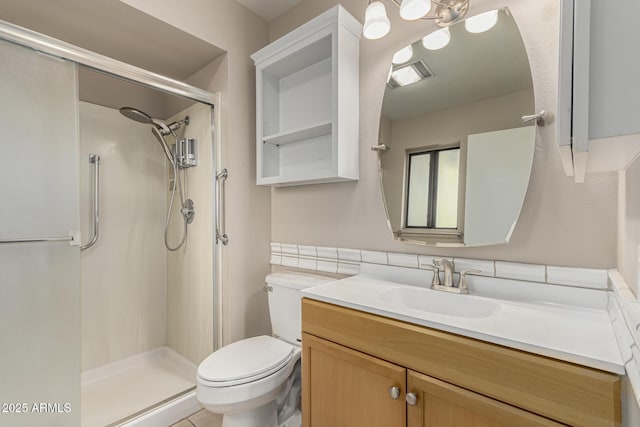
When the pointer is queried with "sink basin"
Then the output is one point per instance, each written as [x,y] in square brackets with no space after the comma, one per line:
[439,302]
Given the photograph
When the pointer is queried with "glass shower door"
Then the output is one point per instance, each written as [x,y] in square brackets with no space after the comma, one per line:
[39,281]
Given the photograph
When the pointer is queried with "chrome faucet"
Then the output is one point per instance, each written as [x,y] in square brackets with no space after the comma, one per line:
[447,267]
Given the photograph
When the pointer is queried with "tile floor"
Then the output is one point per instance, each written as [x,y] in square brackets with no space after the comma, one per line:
[201,418]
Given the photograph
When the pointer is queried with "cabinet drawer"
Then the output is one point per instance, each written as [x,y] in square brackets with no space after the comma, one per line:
[562,391]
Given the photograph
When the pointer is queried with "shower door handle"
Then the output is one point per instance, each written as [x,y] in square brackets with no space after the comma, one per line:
[94,159]
[221,178]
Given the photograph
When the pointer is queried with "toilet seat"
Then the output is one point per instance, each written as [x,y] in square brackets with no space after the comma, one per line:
[245,361]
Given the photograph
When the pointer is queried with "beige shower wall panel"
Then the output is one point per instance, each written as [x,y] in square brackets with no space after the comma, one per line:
[123,275]
[190,269]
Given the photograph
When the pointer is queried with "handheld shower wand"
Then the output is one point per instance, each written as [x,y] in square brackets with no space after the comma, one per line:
[160,129]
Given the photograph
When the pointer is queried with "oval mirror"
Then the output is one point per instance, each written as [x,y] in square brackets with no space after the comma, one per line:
[454,155]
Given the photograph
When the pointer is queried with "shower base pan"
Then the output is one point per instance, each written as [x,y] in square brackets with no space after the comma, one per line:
[152,388]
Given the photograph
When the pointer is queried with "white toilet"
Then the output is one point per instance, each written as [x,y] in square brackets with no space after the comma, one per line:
[255,382]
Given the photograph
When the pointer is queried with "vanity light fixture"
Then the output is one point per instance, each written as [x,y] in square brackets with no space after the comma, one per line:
[414,9]
[447,12]
[437,39]
[376,22]
[482,22]
[403,55]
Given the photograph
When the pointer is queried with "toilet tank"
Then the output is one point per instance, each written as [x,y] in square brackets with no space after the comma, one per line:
[285,302]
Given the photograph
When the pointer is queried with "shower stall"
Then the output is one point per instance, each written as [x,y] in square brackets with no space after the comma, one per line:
[109,293]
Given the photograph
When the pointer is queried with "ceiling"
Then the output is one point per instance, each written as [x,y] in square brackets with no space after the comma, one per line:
[114,29]
[269,9]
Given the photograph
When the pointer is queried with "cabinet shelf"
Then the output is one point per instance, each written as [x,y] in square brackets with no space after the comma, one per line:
[296,135]
[307,103]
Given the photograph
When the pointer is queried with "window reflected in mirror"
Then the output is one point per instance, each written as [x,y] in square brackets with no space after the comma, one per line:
[432,189]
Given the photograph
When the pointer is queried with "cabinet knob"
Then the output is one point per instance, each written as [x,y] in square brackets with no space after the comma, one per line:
[411,399]
[394,392]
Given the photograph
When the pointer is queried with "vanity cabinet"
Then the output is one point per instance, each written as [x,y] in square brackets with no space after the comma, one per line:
[598,126]
[351,359]
[307,101]
[350,388]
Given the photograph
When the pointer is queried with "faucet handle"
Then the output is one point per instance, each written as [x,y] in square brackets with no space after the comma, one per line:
[462,283]
[436,274]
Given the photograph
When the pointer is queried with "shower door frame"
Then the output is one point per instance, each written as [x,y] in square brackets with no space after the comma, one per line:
[101,63]
[112,67]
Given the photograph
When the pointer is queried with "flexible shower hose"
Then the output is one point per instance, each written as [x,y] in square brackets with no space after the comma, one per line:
[177,182]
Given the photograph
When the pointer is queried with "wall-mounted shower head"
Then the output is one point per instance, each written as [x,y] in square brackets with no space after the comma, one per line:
[142,117]
[137,115]
[159,129]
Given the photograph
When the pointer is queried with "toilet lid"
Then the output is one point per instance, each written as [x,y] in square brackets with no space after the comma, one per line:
[245,360]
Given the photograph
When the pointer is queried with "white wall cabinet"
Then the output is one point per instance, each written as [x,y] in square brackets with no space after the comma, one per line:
[599,89]
[307,101]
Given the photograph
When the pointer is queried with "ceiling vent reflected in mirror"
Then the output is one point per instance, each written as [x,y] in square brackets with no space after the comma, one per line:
[407,74]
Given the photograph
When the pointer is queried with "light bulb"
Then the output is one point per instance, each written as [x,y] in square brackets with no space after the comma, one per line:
[414,9]
[376,23]
[481,23]
[437,39]
[403,55]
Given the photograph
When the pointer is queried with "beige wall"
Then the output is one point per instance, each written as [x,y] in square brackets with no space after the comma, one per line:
[190,308]
[233,28]
[123,274]
[562,223]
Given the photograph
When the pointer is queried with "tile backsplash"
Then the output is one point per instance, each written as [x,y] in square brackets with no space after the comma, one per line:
[347,261]
[624,313]
[622,306]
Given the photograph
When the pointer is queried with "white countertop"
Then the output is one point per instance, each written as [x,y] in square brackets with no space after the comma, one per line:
[580,335]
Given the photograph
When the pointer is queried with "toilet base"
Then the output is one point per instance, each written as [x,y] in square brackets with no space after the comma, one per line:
[263,416]
[294,420]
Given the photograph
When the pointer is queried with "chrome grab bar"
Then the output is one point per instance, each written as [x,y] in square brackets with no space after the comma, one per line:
[73,238]
[221,178]
[95,160]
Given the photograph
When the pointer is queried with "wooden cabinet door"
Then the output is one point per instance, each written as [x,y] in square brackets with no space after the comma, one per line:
[440,404]
[345,388]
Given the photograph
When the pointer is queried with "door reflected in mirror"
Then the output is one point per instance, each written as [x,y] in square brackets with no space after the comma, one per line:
[457,162]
